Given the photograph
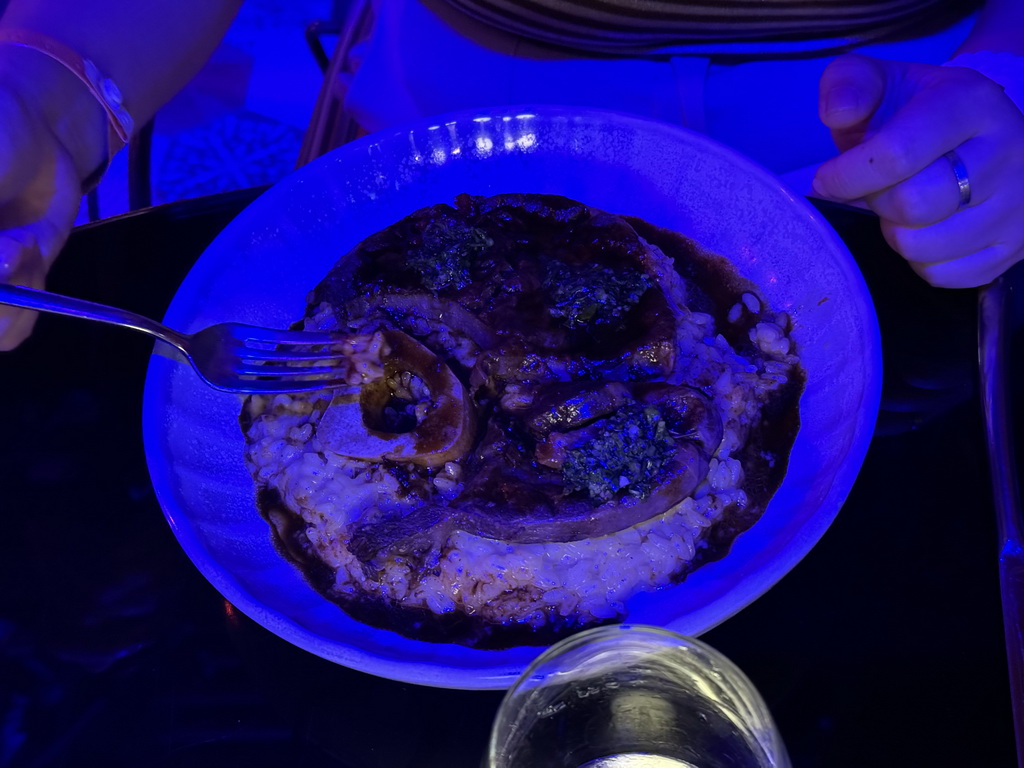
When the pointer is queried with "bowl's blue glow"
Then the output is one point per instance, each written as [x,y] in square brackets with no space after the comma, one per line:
[261,266]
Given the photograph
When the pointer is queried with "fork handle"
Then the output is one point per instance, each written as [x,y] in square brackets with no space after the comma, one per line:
[44,301]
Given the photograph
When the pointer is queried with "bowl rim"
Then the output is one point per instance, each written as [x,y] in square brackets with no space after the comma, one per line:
[497,677]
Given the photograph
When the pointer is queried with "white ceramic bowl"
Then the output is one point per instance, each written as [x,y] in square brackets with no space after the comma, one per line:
[262,265]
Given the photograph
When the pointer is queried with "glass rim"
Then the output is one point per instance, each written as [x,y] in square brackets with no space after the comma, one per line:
[742,684]
[593,634]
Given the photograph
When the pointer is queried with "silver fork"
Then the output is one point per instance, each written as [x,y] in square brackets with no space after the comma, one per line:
[231,357]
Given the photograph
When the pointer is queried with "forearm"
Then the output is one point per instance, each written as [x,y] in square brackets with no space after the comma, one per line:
[1000,27]
[150,49]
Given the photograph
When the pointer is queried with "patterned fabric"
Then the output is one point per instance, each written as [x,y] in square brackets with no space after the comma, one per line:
[679,26]
[240,149]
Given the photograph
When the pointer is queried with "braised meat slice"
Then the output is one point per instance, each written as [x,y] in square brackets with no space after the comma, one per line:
[566,309]
[572,409]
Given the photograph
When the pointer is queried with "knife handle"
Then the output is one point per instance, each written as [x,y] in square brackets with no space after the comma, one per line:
[992,350]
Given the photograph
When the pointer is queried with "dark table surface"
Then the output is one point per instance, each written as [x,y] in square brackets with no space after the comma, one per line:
[883,647]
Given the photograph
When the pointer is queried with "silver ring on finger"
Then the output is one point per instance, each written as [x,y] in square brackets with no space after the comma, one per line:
[962,182]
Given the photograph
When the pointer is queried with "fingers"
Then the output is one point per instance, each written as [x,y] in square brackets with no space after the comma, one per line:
[21,263]
[933,194]
[851,90]
[904,146]
[939,109]
[893,157]
[10,257]
[979,268]
[37,210]
[15,326]
[40,214]
[968,249]
[967,231]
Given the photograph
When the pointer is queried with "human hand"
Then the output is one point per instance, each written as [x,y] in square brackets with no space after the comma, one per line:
[893,123]
[39,197]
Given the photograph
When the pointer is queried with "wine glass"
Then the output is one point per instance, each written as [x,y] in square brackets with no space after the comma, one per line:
[633,696]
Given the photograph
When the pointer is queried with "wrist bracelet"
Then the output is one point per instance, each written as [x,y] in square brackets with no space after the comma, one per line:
[1006,69]
[101,87]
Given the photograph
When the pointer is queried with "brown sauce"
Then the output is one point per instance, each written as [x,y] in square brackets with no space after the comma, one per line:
[713,287]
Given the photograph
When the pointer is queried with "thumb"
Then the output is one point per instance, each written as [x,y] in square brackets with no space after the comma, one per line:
[20,264]
[851,90]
